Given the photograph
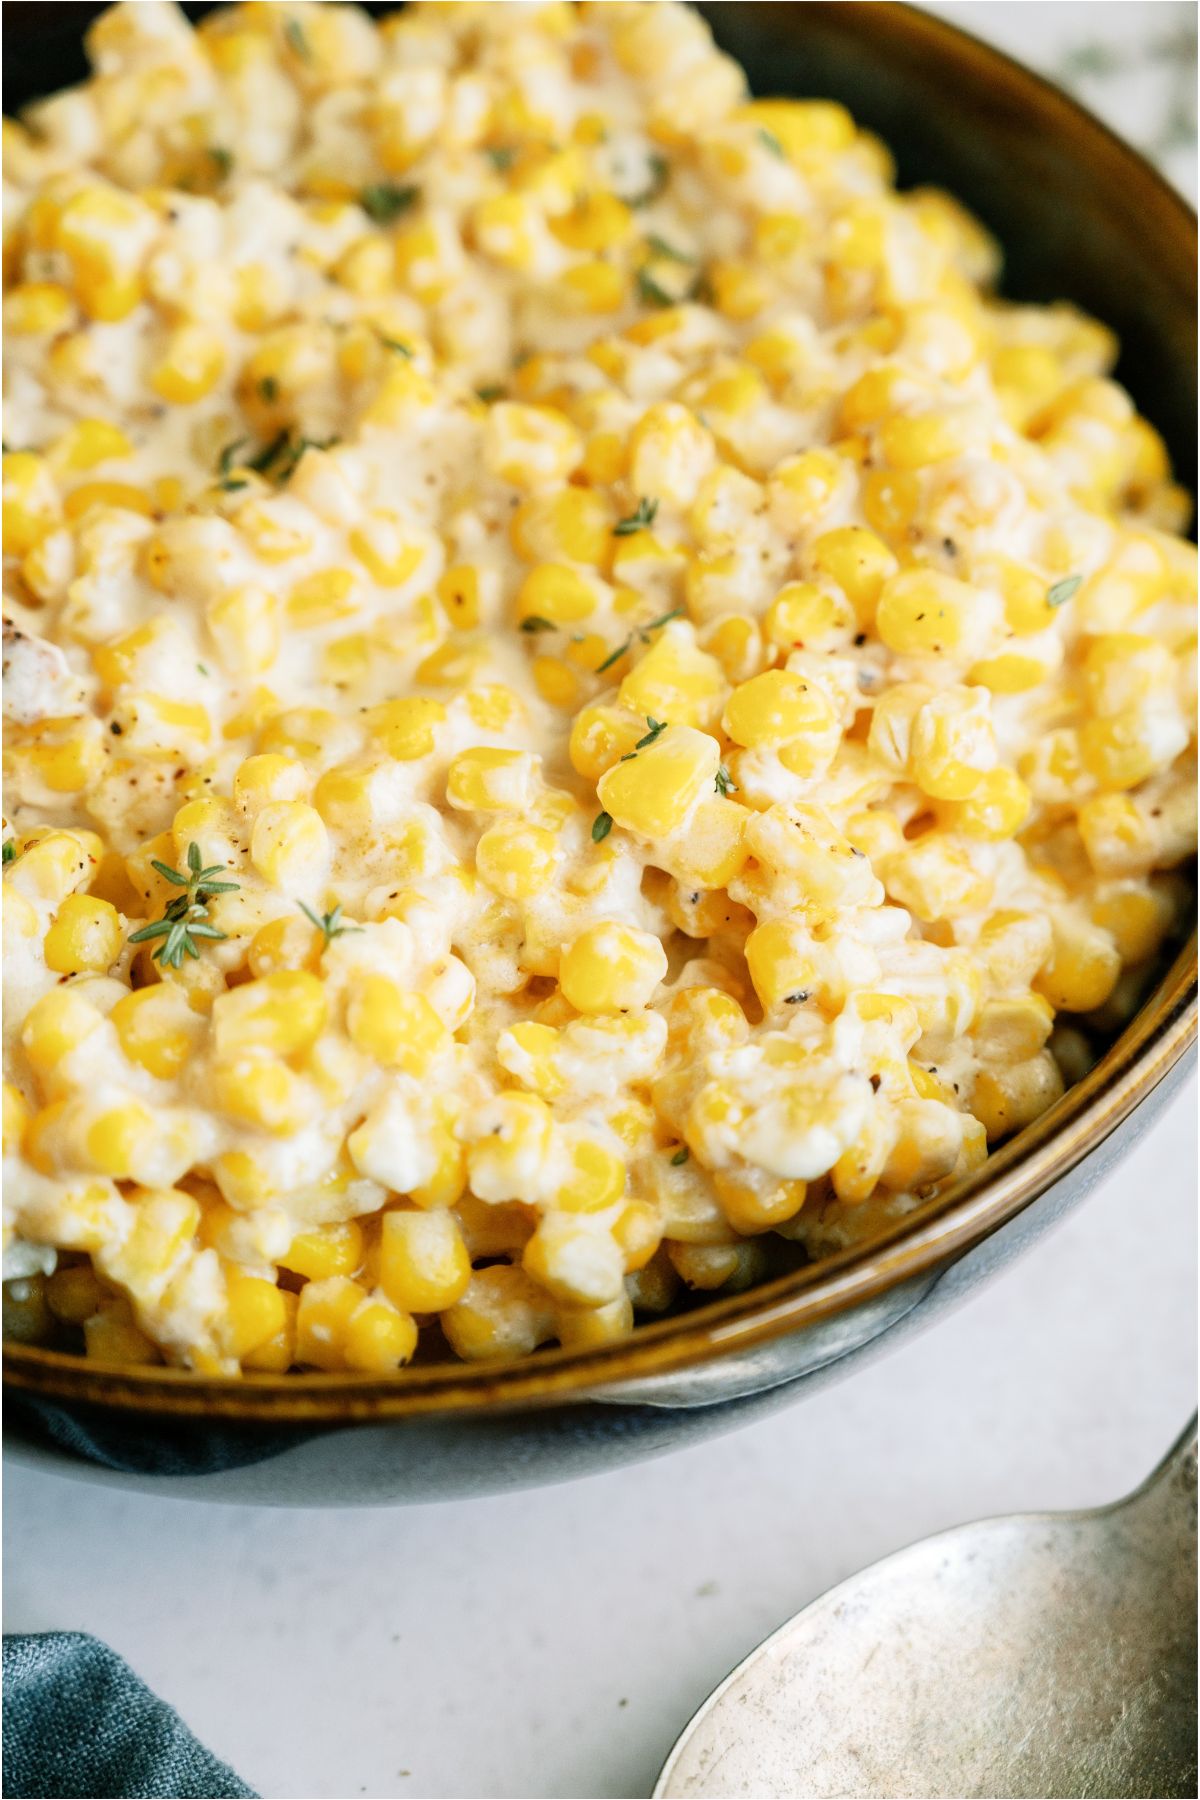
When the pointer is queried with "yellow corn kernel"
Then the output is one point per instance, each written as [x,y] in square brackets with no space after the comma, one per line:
[754,1201]
[38,309]
[75,1293]
[610,967]
[810,131]
[554,592]
[777,708]
[803,616]
[290,942]
[276,1355]
[502,1315]
[1003,1100]
[953,745]
[396,1028]
[670,453]
[924,613]
[283,1013]
[859,562]
[246,628]
[322,1316]
[490,780]
[157,1028]
[779,957]
[1118,837]
[889,500]
[1009,674]
[191,366]
[596,1179]
[54,1026]
[258,1089]
[1012,1029]
[256,1311]
[575,1259]
[1122,670]
[654,792]
[110,1336]
[567,524]
[31,502]
[262,779]
[289,845]
[1136,917]
[423,1265]
[117,1140]
[531,446]
[85,935]
[674,680]
[913,442]
[382,546]
[528,1050]
[323,597]
[404,729]
[1121,751]
[997,808]
[325,1250]
[1082,969]
[517,860]
[589,1327]
[458,591]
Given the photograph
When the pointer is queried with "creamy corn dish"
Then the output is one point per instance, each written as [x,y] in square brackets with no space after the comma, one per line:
[590,715]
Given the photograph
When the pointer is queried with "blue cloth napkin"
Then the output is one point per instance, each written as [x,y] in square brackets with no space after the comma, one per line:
[78,1721]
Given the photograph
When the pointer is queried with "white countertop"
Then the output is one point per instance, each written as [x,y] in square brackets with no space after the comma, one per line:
[554,1643]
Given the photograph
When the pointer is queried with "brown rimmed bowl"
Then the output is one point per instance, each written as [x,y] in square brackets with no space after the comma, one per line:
[1083,218]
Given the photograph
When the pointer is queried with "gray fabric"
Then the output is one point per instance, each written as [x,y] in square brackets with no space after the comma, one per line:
[78,1721]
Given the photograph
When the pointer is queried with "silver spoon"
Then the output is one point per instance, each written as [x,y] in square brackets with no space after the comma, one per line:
[1043,1654]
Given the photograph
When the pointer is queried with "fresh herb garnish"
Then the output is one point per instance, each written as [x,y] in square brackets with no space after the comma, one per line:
[391,343]
[639,520]
[1063,590]
[660,174]
[330,923]
[186,917]
[9,853]
[796,999]
[225,460]
[680,1157]
[232,487]
[668,252]
[643,632]
[723,783]
[222,160]
[268,389]
[384,201]
[488,394]
[601,826]
[535,622]
[772,143]
[649,292]
[657,727]
[501,156]
[293,31]
[202,669]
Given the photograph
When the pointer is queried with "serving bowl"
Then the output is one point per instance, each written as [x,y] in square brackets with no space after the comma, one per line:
[1082,218]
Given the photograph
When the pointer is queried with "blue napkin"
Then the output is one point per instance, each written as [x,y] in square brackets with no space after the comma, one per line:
[77,1720]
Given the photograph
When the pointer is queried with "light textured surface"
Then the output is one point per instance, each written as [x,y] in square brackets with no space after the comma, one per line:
[554,1643]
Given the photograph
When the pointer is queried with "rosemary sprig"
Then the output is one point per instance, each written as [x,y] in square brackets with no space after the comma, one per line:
[639,520]
[330,923]
[186,917]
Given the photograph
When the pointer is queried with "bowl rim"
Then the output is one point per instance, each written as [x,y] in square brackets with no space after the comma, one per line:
[923,1241]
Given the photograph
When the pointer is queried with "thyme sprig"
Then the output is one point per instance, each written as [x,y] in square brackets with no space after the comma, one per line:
[643,632]
[640,519]
[186,917]
[330,924]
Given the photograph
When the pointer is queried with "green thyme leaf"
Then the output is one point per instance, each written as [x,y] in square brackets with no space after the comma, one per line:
[680,1157]
[222,160]
[391,343]
[660,174]
[268,389]
[185,918]
[488,394]
[668,252]
[330,923]
[614,656]
[771,143]
[657,727]
[225,460]
[9,853]
[501,156]
[535,622]
[723,784]
[650,293]
[639,520]
[1064,590]
[385,201]
[601,826]
[293,31]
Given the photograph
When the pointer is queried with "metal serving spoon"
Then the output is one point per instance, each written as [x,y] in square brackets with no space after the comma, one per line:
[1043,1654]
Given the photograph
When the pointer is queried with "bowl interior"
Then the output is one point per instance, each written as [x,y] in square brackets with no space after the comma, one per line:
[1082,218]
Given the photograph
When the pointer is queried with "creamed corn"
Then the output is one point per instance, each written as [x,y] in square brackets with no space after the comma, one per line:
[589,711]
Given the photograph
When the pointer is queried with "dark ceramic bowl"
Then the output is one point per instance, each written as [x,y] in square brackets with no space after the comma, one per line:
[1083,218]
